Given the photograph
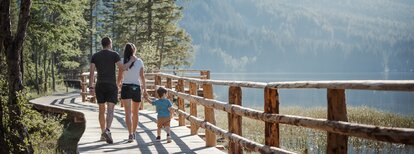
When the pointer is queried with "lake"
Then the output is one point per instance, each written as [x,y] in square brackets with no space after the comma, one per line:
[391,101]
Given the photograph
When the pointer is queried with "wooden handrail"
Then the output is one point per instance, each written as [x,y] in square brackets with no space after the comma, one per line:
[394,85]
[389,85]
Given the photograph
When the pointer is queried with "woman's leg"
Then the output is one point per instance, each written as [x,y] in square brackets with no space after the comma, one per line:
[135,110]
[127,107]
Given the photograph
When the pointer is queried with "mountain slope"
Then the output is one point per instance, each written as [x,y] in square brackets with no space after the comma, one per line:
[305,36]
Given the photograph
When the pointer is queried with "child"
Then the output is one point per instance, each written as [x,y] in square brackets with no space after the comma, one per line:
[164,110]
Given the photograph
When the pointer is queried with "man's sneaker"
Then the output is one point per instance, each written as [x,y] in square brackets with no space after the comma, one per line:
[108,136]
[130,138]
[168,139]
[158,139]
[102,137]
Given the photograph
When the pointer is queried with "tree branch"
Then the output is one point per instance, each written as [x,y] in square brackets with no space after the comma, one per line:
[24,18]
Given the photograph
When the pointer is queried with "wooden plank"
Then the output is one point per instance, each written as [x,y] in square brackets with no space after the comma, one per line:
[379,133]
[145,141]
[271,105]
[180,88]
[211,139]
[169,85]
[193,107]
[235,121]
[337,144]
[389,85]
[157,83]
[83,79]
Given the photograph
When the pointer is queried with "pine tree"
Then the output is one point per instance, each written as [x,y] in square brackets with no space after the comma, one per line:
[153,26]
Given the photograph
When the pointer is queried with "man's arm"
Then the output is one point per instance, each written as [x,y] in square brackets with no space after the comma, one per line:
[91,78]
[126,65]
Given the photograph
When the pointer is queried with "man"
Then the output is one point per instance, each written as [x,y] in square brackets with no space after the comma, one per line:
[106,88]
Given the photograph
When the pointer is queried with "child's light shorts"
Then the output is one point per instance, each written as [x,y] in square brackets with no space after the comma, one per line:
[163,122]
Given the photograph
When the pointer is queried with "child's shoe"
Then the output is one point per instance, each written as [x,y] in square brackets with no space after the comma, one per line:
[168,138]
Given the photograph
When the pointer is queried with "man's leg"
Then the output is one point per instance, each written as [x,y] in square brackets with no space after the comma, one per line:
[109,115]
[102,116]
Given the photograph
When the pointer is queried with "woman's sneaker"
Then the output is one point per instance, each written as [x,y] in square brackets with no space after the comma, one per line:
[168,139]
[158,138]
[102,137]
[130,138]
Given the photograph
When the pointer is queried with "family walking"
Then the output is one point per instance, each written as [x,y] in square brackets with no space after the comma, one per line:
[131,82]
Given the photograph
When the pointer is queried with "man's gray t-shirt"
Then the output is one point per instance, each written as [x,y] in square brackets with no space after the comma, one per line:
[104,61]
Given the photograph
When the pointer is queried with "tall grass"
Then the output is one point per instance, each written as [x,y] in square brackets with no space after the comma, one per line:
[305,140]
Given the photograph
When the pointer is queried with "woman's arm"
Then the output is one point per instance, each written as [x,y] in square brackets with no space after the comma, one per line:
[143,86]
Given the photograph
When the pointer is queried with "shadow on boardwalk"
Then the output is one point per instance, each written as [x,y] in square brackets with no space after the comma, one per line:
[145,141]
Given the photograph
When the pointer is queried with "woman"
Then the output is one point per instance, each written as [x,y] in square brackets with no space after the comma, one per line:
[132,81]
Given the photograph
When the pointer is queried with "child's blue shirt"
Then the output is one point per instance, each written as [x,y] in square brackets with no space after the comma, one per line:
[162,106]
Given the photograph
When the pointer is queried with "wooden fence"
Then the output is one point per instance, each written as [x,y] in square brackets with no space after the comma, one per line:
[335,125]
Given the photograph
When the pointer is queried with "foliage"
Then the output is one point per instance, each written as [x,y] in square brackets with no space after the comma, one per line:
[44,130]
[146,23]
[62,22]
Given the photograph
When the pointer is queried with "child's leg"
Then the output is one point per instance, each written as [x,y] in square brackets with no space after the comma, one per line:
[167,129]
[158,131]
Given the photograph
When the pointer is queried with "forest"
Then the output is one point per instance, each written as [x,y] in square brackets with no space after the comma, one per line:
[45,42]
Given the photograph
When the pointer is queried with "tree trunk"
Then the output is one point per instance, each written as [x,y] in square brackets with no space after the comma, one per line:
[45,72]
[53,71]
[161,49]
[37,71]
[149,7]
[18,137]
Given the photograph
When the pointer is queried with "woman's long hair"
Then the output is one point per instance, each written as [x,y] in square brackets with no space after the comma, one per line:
[129,49]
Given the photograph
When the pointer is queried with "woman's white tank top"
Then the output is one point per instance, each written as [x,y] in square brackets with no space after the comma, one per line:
[132,75]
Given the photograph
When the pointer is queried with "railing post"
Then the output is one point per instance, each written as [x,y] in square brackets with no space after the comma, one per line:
[193,107]
[337,144]
[235,121]
[211,140]
[209,116]
[169,86]
[205,74]
[180,88]
[157,82]
[83,84]
[271,105]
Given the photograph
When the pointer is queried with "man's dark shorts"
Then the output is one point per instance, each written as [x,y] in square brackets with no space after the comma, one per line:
[131,91]
[106,92]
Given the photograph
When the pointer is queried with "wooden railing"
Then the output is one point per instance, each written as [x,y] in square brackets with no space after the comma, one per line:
[336,124]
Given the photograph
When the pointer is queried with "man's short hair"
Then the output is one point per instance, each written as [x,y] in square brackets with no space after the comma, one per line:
[161,91]
[106,41]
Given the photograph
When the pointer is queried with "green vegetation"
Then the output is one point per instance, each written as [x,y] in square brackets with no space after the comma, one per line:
[305,140]
[44,42]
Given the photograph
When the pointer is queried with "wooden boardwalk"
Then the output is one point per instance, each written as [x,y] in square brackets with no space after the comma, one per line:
[145,142]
